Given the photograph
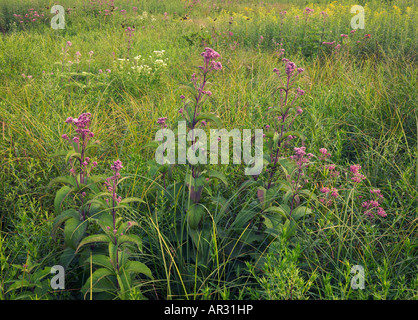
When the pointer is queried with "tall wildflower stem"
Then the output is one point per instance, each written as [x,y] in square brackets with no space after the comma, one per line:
[276,158]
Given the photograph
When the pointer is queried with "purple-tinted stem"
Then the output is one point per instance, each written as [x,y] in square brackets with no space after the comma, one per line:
[113,206]
[195,112]
[296,189]
[281,134]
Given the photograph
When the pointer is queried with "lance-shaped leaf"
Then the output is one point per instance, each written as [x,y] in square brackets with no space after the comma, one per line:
[67,214]
[126,226]
[300,211]
[72,154]
[211,117]
[276,210]
[96,283]
[60,153]
[132,238]
[74,230]
[217,175]
[132,199]
[138,267]
[113,250]
[101,260]
[65,180]
[60,196]
[95,238]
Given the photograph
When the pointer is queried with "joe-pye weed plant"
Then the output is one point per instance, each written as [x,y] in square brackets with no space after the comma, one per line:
[95,233]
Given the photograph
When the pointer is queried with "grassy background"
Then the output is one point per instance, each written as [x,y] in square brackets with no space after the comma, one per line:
[360,104]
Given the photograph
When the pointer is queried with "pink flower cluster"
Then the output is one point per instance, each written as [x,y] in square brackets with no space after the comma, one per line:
[324,154]
[308,11]
[300,158]
[81,124]
[332,191]
[31,16]
[111,182]
[357,176]
[373,206]
[210,63]
[162,121]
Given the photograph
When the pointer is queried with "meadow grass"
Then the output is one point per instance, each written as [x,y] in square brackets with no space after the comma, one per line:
[360,104]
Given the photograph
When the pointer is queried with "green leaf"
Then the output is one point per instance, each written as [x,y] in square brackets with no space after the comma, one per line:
[217,175]
[138,267]
[60,196]
[200,181]
[152,145]
[73,231]
[300,211]
[64,179]
[130,238]
[195,214]
[267,222]
[67,214]
[60,153]
[126,226]
[72,154]
[277,210]
[132,199]
[93,239]
[18,284]
[210,116]
[94,279]
[102,261]
[113,249]
[242,219]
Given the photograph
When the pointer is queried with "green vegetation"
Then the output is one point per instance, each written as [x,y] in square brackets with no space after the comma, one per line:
[197,233]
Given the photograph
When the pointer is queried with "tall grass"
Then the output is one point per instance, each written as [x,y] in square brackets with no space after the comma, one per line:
[361,106]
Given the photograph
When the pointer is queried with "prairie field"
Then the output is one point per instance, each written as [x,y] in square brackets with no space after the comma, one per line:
[324,206]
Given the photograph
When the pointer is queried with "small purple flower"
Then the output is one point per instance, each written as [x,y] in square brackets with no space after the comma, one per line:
[290,67]
[300,91]
[116,166]
[324,190]
[162,120]
[217,65]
